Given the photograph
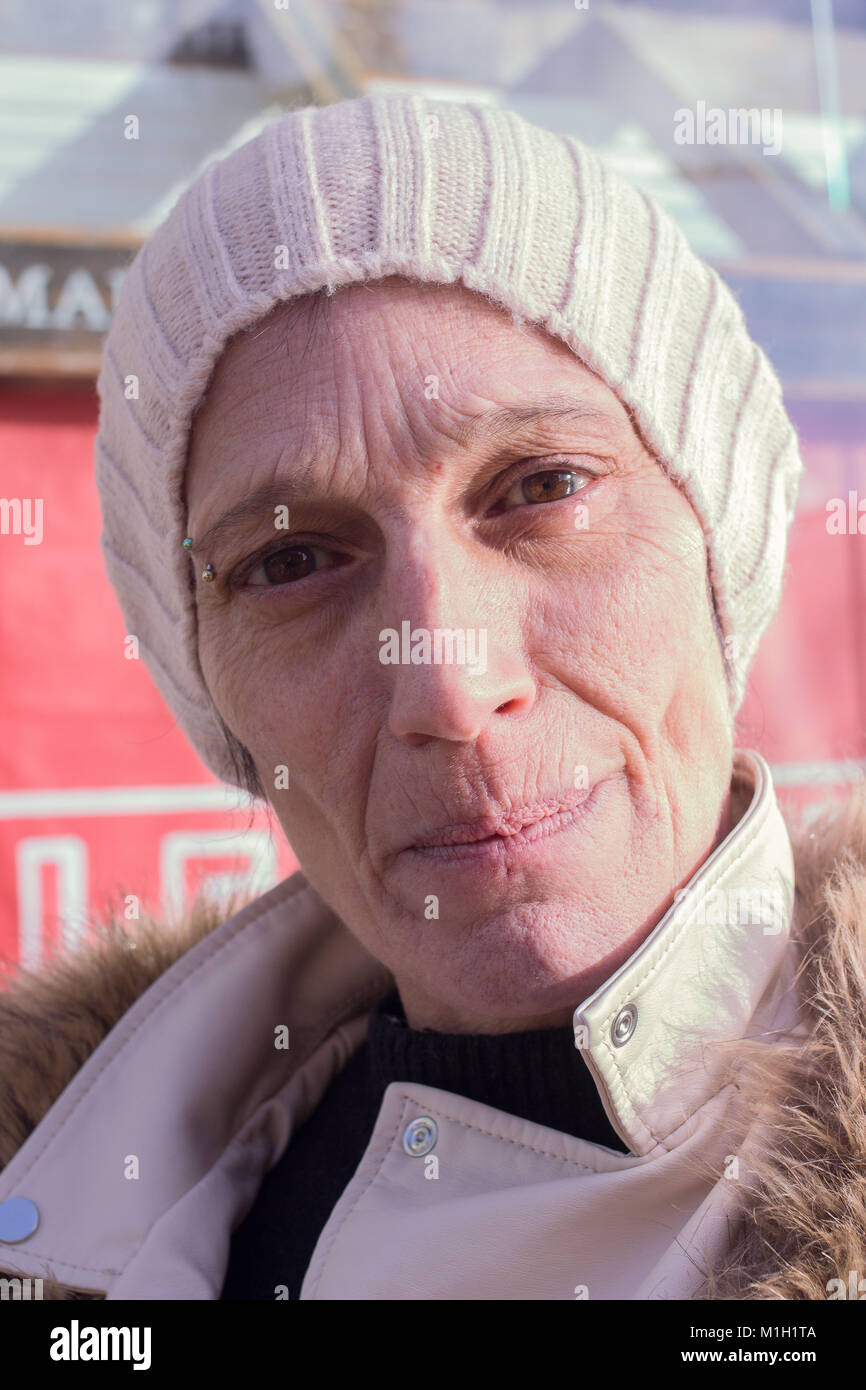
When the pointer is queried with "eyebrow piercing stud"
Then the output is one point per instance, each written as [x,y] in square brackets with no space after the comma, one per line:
[208,574]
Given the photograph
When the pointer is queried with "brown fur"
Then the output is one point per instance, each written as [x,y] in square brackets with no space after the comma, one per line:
[51,1019]
[803,1218]
[803,1213]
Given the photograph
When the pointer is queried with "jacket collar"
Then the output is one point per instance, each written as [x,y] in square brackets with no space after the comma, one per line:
[716,963]
[144,1129]
[148,1119]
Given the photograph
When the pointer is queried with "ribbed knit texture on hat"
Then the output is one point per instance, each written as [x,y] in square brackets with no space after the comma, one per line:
[401,184]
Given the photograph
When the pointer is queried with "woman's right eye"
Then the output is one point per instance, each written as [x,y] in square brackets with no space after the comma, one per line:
[286,566]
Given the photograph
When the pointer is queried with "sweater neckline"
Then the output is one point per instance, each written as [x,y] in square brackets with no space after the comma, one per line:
[538,1074]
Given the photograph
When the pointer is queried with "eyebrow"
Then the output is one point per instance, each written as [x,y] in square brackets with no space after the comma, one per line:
[492,426]
[500,421]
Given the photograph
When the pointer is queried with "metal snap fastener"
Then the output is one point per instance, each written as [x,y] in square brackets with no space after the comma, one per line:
[420,1136]
[623,1025]
[19,1218]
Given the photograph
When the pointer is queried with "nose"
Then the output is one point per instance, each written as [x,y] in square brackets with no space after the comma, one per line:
[454,649]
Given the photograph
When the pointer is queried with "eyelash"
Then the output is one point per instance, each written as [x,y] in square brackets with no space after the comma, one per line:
[240,577]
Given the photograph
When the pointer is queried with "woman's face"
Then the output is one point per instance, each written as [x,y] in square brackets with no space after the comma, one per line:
[442,469]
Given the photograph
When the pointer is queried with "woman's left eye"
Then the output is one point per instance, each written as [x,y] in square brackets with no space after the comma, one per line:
[548,485]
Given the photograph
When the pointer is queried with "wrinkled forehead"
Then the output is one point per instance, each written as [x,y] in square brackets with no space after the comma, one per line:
[443,343]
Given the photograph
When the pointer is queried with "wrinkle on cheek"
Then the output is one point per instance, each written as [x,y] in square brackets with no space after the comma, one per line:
[243,681]
[224,662]
[697,719]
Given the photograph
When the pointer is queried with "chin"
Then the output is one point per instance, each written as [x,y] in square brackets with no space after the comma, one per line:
[529,963]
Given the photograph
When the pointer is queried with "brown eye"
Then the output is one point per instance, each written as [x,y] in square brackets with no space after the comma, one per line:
[287,565]
[284,566]
[549,485]
[291,565]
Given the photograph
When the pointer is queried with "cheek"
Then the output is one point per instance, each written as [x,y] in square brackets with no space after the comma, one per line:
[632,612]
[228,669]
[249,681]
[626,625]
[286,708]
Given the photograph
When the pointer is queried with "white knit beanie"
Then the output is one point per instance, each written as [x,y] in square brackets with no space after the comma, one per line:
[400,184]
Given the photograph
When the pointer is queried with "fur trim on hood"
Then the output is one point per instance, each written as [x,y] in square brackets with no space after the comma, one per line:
[802,1218]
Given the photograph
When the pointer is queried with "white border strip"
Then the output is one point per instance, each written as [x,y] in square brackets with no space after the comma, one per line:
[120,801]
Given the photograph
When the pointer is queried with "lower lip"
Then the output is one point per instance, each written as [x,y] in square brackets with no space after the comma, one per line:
[501,848]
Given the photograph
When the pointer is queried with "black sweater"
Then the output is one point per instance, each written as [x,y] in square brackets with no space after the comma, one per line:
[537,1075]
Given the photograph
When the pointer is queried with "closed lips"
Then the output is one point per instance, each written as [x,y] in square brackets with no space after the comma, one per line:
[500,825]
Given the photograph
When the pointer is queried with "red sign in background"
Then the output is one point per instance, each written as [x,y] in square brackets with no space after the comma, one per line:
[101,795]
[103,799]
